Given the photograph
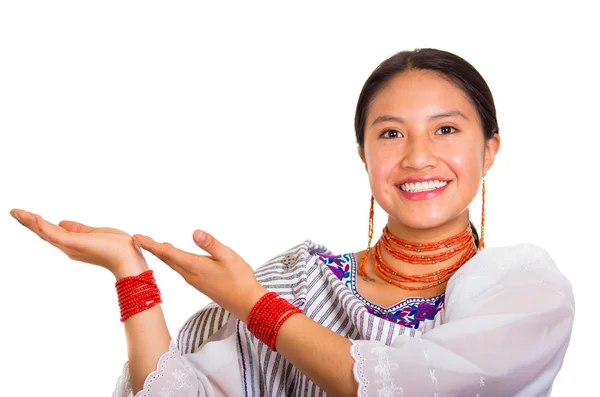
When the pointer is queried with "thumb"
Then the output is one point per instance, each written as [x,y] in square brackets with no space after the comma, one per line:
[210,244]
[75,227]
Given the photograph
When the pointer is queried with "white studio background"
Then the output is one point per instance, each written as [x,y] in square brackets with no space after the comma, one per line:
[163,117]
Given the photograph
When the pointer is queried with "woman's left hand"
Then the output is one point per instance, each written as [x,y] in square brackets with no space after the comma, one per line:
[223,275]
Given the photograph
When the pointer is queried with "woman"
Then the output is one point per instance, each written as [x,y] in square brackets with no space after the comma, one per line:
[425,312]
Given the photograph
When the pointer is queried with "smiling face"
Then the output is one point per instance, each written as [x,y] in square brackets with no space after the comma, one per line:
[425,152]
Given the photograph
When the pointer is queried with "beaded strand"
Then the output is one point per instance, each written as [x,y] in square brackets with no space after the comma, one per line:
[462,242]
[137,293]
[268,315]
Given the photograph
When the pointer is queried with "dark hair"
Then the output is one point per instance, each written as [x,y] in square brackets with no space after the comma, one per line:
[450,66]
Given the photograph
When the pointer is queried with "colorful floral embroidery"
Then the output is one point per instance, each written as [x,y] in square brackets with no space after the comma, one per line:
[339,265]
[410,312]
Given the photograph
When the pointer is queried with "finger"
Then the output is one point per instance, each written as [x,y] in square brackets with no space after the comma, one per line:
[28,220]
[75,227]
[66,241]
[181,261]
[111,230]
[15,214]
[54,234]
[208,243]
[32,222]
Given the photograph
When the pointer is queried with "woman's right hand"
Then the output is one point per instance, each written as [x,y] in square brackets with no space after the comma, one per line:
[110,248]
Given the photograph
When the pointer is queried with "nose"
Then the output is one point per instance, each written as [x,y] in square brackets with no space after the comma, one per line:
[419,153]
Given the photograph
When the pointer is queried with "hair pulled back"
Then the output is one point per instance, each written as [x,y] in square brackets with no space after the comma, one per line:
[450,66]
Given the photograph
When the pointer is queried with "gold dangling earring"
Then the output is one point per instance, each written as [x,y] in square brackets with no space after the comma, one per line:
[481,240]
[361,268]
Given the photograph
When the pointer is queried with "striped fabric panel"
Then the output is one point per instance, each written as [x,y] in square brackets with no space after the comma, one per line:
[186,331]
[251,376]
[323,306]
[275,273]
[200,327]
[299,277]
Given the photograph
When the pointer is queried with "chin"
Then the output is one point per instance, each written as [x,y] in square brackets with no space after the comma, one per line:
[422,223]
[425,217]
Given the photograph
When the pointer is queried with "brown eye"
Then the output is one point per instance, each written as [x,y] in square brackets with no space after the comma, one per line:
[447,130]
[390,134]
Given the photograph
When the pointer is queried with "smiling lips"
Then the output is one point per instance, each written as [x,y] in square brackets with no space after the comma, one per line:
[422,186]
[423,189]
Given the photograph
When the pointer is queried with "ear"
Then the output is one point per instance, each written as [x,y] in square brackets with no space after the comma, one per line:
[491,149]
[361,153]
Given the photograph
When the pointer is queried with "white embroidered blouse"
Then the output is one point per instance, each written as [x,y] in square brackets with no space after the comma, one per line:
[503,331]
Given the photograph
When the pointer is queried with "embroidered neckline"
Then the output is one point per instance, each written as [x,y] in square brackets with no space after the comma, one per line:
[411,312]
[381,309]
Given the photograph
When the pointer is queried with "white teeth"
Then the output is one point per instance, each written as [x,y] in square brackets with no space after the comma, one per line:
[422,186]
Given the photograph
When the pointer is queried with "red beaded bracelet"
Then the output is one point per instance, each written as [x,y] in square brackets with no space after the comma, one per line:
[283,319]
[137,293]
[268,315]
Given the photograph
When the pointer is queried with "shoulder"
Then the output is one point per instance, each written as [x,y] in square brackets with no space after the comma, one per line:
[509,283]
[502,261]
[518,267]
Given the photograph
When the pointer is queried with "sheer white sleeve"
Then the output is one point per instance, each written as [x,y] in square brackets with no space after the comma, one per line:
[504,332]
[212,371]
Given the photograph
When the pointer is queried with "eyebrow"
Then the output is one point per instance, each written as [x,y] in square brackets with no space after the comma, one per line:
[399,119]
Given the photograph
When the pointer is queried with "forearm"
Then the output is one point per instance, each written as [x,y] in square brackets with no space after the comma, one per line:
[319,353]
[147,338]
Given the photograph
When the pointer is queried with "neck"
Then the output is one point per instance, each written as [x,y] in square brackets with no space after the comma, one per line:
[430,235]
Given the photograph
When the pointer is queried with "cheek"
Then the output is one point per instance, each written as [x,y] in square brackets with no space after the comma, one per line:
[468,169]
[467,163]
[381,165]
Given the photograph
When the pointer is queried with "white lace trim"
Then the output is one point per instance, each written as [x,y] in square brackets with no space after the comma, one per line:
[357,370]
[127,377]
[383,369]
[180,375]
[123,386]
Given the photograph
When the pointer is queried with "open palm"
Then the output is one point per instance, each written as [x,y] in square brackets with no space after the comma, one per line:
[108,247]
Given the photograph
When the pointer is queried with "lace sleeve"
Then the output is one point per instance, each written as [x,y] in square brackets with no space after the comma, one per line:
[123,387]
[172,377]
[506,331]
[211,371]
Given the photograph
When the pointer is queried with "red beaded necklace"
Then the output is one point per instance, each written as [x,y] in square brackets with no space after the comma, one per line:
[462,242]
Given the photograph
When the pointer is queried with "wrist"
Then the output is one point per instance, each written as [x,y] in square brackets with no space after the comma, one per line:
[130,269]
[251,298]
